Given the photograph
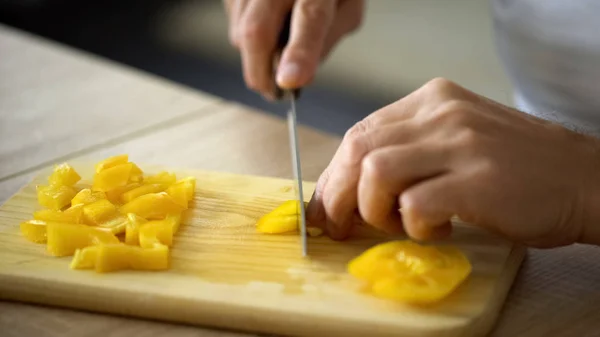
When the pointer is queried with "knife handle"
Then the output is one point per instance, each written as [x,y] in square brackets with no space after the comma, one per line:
[282,41]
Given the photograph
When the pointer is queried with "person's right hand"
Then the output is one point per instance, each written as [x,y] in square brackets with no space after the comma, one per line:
[316,26]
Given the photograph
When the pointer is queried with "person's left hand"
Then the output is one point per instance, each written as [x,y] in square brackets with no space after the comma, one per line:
[445,151]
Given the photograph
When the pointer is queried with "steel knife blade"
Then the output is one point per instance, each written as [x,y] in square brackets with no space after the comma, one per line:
[293,138]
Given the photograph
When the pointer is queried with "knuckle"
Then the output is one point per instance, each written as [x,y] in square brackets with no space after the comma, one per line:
[374,168]
[254,32]
[356,144]
[315,11]
[440,85]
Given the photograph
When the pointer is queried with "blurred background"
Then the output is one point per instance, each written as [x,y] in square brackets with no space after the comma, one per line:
[401,45]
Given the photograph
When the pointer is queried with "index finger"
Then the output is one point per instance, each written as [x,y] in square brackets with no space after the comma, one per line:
[311,20]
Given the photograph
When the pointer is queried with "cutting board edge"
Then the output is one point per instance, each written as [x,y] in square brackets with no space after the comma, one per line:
[488,318]
[219,315]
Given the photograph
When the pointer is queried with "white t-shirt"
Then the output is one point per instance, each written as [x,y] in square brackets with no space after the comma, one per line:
[551,52]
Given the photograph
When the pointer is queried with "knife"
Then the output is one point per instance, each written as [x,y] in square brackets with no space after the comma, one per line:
[293,95]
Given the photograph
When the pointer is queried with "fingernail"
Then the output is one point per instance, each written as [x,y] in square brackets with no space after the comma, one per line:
[288,74]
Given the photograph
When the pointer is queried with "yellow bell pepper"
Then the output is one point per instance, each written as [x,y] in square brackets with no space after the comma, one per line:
[64,175]
[115,195]
[113,257]
[156,232]
[137,175]
[34,230]
[175,220]
[99,212]
[72,214]
[139,191]
[409,272]
[63,239]
[111,162]
[116,225]
[283,219]
[84,258]
[55,196]
[112,177]
[183,190]
[152,206]
[87,196]
[132,229]
[163,178]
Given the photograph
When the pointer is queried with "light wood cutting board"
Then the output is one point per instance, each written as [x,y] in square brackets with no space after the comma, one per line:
[225,274]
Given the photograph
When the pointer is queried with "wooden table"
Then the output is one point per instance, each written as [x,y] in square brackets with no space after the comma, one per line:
[59,104]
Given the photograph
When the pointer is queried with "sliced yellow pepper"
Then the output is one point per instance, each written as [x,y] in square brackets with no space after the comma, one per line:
[175,220]
[152,206]
[112,257]
[163,178]
[409,272]
[64,175]
[284,219]
[111,162]
[84,258]
[99,212]
[115,195]
[87,196]
[63,239]
[137,175]
[34,230]
[139,191]
[183,190]
[132,229]
[156,232]
[112,177]
[55,196]
[116,225]
[72,214]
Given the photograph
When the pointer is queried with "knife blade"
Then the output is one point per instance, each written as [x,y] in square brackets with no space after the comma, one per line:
[293,94]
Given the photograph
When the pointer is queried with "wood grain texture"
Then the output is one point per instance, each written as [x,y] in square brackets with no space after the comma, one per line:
[55,101]
[223,273]
[234,139]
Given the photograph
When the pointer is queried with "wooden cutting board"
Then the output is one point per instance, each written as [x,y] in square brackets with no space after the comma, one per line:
[225,274]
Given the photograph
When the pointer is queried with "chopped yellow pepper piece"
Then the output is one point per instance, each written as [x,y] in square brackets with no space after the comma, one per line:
[55,196]
[183,190]
[84,258]
[139,191]
[284,219]
[72,214]
[409,272]
[63,239]
[137,175]
[111,162]
[34,230]
[314,231]
[175,220]
[116,225]
[112,177]
[152,206]
[115,195]
[64,175]
[112,257]
[132,229]
[156,232]
[163,178]
[87,196]
[99,212]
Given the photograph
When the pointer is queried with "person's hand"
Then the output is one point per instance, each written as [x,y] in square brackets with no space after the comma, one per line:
[316,26]
[445,151]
